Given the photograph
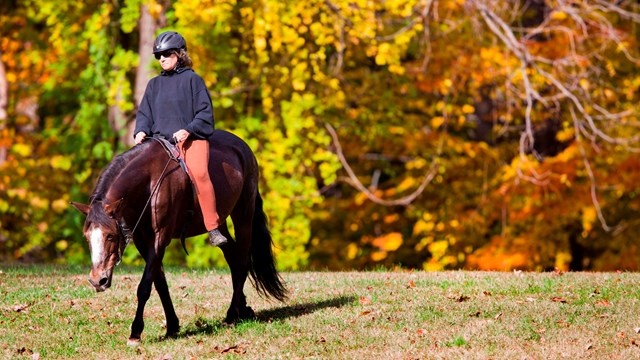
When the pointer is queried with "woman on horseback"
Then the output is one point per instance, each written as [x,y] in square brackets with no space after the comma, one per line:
[177,106]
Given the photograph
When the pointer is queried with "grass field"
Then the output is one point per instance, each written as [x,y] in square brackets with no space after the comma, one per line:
[51,312]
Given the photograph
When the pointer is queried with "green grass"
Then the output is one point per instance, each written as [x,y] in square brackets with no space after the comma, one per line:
[52,313]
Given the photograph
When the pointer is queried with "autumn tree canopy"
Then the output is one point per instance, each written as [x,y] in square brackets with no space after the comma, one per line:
[436,134]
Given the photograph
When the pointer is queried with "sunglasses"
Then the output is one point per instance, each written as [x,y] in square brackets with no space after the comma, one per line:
[165,53]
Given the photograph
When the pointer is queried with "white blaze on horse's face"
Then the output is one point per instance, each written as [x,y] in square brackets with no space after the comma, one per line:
[103,256]
[97,246]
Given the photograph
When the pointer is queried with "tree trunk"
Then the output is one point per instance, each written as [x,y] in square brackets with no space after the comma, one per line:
[4,100]
[147,26]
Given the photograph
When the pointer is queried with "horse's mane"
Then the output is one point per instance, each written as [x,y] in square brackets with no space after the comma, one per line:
[113,169]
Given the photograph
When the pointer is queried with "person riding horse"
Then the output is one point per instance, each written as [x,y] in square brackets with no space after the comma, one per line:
[177,106]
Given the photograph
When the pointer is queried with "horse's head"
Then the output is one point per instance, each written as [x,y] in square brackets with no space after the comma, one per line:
[105,238]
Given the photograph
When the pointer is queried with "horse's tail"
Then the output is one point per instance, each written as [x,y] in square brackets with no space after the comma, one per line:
[263,271]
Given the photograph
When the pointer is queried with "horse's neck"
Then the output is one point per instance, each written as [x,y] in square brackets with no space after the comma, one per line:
[132,182]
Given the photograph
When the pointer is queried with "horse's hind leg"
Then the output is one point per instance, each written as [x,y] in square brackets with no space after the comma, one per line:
[237,254]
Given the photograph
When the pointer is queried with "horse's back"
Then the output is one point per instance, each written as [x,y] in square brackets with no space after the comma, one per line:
[229,149]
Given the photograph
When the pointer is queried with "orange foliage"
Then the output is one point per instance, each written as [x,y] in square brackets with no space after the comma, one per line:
[496,256]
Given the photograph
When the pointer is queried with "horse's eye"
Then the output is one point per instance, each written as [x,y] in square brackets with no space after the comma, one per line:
[110,237]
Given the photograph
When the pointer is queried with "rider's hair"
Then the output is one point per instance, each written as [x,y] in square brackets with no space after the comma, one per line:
[183,59]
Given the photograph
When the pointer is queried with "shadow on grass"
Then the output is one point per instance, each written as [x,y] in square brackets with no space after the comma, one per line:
[203,326]
[285,312]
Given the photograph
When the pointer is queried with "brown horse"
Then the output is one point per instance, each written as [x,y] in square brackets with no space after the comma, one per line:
[144,195]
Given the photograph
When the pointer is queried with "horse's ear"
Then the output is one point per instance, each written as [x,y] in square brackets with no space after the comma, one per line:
[83,208]
[113,208]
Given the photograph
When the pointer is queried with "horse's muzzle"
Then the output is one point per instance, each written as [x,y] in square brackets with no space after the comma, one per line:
[100,281]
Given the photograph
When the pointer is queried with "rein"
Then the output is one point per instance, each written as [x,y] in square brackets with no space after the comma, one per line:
[122,225]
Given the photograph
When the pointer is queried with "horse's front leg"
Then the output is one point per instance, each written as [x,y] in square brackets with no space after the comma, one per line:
[173,324]
[151,270]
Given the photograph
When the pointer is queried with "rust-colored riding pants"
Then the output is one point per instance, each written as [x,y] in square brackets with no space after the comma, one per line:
[196,155]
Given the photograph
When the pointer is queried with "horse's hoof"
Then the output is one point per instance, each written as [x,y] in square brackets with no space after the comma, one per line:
[133,342]
[247,313]
[172,333]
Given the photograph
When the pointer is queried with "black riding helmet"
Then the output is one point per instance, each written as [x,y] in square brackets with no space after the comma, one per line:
[169,40]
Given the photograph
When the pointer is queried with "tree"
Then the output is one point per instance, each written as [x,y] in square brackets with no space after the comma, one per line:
[435,134]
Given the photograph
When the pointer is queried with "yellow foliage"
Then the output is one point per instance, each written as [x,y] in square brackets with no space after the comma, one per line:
[60,162]
[62,245]
[397,69]
[468,109]
[379,255]
[352,251]
[437,121]
[384,54]
[391,218]
[60,205]
[588,218]
[558,15]
[298,85]
[155,9]
[388,242]
[565,134]
[432,265]
[416,164]
[39,203]
[563,259]
[423,243]
[21,149]
[407,183]
[438,248]
[423,226]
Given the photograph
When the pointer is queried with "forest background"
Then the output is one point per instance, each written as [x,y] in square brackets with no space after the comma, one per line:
[430,134]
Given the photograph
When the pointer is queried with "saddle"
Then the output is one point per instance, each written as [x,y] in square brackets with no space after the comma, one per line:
[173,153]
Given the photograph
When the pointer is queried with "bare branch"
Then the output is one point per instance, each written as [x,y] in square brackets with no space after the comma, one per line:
[592,178]
[358,184]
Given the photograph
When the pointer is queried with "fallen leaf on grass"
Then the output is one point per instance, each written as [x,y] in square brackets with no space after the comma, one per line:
[411,285]
[23,308]
[559,299]
[25,352]
[603,302]
[321,340]
[367,312]
[235,349]
[637,330]
[365,300]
